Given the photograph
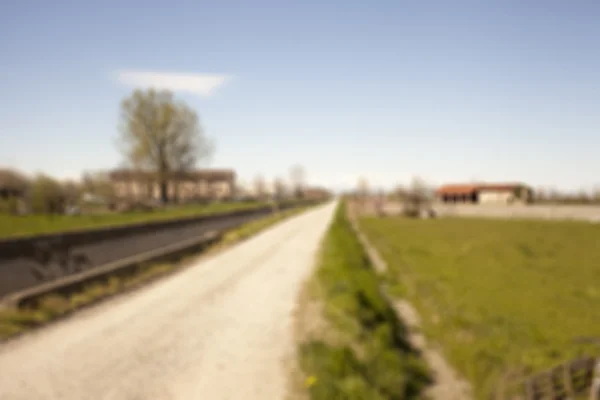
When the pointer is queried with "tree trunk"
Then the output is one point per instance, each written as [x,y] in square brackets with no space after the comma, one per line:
[164,194]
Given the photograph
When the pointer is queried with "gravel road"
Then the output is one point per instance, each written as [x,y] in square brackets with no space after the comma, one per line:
[221,329]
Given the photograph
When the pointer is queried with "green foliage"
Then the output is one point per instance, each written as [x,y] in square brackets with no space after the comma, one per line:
[46,195]
[340,375]
[497,295]
[373,360]
[98,184]
[9,206]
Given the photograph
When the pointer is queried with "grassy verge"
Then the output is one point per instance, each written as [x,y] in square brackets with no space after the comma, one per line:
[362,353]
[499,296]
[15,225]
[54,306]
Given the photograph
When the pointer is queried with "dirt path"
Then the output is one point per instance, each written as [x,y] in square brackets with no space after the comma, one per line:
[221,329]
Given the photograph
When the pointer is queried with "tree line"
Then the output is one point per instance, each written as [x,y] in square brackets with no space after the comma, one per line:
[43,194]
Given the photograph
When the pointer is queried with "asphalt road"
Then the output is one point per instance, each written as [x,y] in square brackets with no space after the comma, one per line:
[15,274]
[221,329]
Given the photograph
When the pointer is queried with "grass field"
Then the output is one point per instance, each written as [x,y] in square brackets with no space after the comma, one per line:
[362,353]
[14,225]
[497,294]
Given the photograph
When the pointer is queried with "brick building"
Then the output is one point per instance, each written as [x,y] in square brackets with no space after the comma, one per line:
[197,185]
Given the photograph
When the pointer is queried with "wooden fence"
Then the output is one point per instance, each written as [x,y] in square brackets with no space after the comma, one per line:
[576,379]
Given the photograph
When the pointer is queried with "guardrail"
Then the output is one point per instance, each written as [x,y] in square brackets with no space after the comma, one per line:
[39,261]
[72,283]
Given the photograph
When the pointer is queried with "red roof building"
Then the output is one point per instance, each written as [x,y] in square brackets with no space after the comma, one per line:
[480,193]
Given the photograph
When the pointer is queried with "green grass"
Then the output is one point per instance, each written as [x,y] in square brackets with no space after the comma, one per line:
[14,225]
[52,306]
[371,358]
[497,295]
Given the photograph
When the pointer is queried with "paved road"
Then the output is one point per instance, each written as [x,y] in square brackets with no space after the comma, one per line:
[15,274]
[221,329]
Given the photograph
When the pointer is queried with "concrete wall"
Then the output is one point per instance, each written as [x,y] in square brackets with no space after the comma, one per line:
[535,211]
[496,197]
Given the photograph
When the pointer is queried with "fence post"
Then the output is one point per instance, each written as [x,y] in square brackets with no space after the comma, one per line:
[568,379]
[595,390]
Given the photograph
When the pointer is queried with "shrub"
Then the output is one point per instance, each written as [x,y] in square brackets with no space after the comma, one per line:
[9,206]
[46,196]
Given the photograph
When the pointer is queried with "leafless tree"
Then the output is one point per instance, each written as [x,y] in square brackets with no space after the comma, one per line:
[279,188]
[297,179]
[362,187]
[161,135]
[260,187]
[596,194]
[71,191]
[400,193]
[541,195]
[97,184]
[418,198]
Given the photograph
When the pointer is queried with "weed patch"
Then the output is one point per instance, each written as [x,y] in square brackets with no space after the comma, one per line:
[372,358]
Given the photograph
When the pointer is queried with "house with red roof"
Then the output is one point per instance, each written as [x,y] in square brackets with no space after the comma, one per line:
[485,193]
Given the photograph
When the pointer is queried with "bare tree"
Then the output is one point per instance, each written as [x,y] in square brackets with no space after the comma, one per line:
[260,187]
[418,199]
[71,191]
[297,179]
[279,188]
[98,184]
[400,193]
[362,187]
[596,194]
[240,189]
[541,194]
[161,135]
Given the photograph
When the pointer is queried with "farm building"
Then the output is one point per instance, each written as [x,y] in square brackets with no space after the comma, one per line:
[485,193]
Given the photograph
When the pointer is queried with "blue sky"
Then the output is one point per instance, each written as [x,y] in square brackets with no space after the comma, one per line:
[447,90]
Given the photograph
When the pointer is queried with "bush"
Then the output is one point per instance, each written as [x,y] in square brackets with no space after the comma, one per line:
[9,206]
[46,196]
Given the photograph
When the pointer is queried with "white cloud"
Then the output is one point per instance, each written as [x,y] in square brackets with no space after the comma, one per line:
[200,84]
